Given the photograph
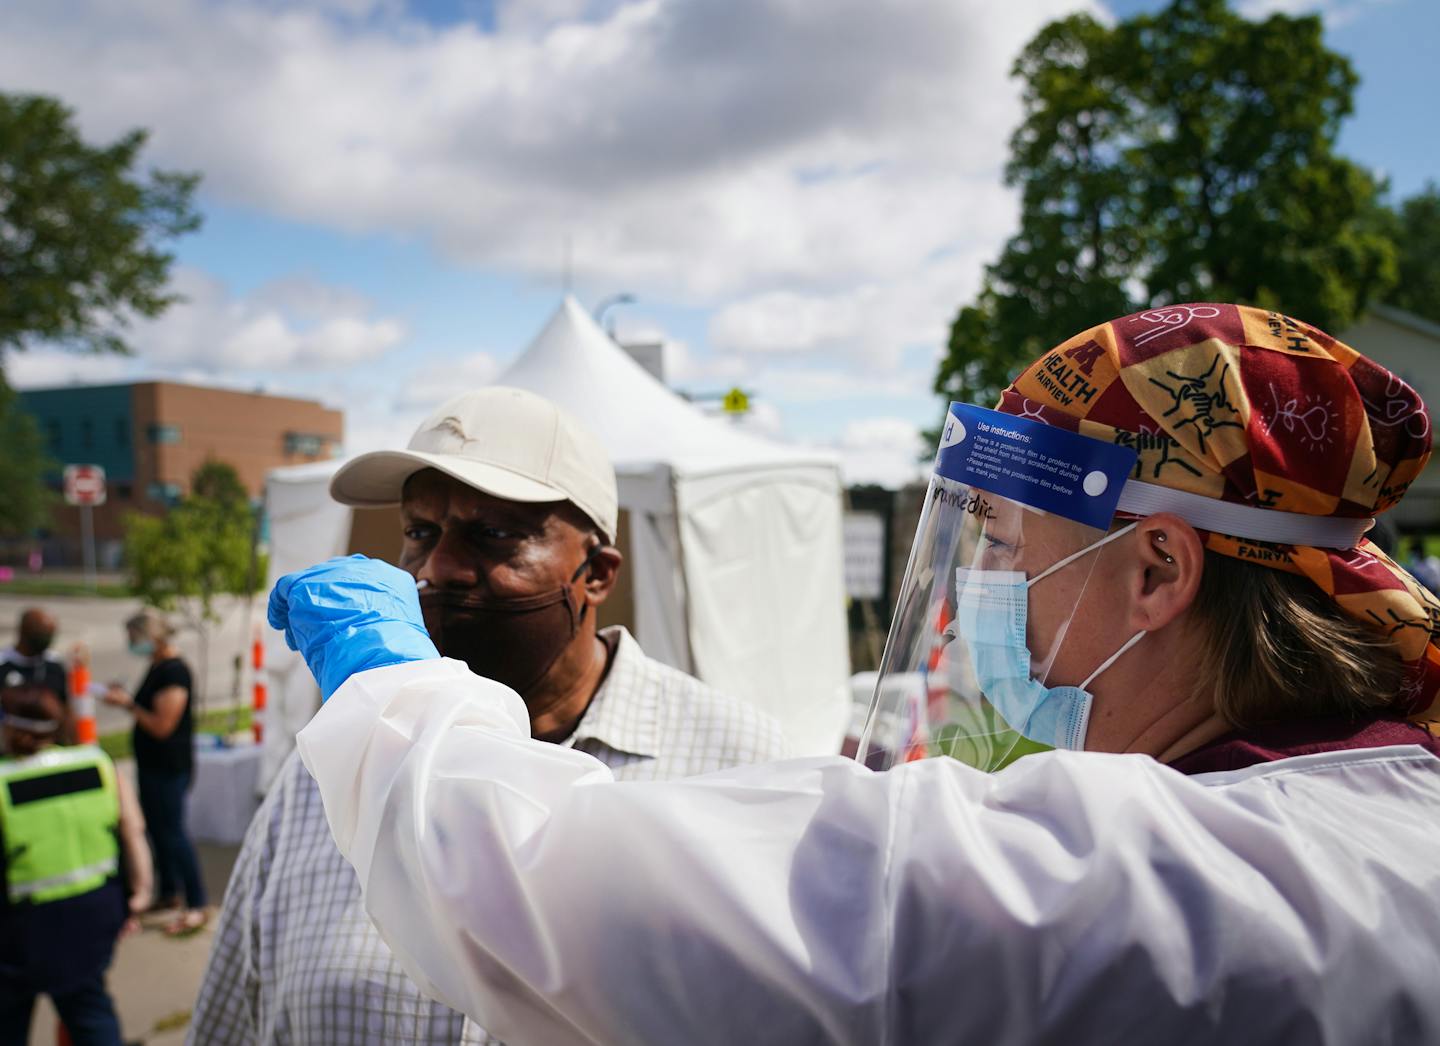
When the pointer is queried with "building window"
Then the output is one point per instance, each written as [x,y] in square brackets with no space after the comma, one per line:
[123,491]
[122,432]
[305,444]
[87,433]
[169,493]
[52,426]
[164,433]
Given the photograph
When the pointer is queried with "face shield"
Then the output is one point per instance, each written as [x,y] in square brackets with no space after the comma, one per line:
[1014,519]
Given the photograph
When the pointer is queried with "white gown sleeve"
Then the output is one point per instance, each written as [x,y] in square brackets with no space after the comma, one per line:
[815,901]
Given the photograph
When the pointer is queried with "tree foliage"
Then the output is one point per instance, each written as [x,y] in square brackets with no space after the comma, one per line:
[1417,235]
[202,547]
[219,482]
[1183,155]
[80,231]
[23,460]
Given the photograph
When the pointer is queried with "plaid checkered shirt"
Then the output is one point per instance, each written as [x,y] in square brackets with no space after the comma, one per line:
[296,960]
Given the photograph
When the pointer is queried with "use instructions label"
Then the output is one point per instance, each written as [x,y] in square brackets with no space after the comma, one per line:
[1033,463]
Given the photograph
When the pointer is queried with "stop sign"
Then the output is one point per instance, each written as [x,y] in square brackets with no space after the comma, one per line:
[84,485]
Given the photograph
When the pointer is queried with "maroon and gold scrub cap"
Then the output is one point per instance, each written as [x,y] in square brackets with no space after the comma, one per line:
[1276,441]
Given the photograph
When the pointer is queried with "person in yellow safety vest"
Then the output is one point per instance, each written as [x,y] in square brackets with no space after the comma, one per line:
[70,835]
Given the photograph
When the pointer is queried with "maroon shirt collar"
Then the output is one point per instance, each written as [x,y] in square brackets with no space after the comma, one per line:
[1272,741]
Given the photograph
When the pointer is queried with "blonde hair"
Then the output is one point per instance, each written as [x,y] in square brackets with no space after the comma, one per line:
[151,624]
[1277,648]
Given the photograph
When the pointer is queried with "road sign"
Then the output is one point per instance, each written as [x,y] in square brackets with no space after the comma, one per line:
[84,485]
[736,402]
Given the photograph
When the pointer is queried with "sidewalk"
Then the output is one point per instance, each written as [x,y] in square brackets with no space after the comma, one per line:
[154,978]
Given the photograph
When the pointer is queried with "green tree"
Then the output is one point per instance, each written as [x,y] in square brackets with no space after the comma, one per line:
[26,501]
[219,482]
[1183,155]
[202,548]
[80,231]
[1417,235]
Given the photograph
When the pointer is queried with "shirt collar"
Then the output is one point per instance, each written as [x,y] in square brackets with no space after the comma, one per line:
[624,713]
[13,656]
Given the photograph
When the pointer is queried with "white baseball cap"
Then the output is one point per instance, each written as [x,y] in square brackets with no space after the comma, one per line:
[509,443]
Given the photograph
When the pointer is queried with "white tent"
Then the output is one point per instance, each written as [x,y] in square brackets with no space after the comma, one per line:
[733,543]
[306,528]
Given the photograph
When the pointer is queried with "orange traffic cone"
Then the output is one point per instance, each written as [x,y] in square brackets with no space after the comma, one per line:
[258,693]
[82,699]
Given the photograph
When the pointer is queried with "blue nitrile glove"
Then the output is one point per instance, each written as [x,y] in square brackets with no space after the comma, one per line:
[350,614]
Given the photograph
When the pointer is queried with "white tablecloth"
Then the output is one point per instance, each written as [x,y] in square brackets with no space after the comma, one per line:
[225,794]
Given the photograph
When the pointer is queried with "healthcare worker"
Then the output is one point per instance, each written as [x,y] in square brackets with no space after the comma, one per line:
[1151,560]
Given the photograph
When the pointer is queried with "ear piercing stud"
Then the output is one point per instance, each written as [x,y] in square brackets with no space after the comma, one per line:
[1160,539]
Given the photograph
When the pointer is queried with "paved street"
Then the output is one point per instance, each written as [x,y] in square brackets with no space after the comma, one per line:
[98,623]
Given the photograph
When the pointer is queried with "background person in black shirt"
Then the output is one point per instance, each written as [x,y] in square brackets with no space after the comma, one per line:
[164,762]
[31,662]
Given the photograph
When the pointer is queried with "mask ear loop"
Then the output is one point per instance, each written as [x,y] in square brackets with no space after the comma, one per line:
[1065,628]
[585,565]
[1084,551]
[1112,659]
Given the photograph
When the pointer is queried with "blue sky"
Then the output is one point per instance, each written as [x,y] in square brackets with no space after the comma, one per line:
[798,197]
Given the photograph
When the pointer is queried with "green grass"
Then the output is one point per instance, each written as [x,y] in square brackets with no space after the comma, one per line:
[39,588]
[211,721]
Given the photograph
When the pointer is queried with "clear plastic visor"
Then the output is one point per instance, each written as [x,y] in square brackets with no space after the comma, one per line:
[983,624]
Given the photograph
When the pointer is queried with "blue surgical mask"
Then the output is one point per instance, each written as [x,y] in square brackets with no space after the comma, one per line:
[143,648]
[991,611]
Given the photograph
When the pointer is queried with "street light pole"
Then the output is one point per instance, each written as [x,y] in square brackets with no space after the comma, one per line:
[607,304]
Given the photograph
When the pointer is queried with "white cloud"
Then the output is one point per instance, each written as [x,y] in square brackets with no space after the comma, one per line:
[367,430]
[791,379]
[866,326]
[289,325]
[764,418]
[1334,12]
[825,175]
[47,367]
[886,451]
[704,148]
[801,384]
[437,382]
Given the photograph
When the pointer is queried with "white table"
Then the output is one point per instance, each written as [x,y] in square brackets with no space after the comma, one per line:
[225,794]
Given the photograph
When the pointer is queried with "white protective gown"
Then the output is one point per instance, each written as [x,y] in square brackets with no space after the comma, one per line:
[1072,898]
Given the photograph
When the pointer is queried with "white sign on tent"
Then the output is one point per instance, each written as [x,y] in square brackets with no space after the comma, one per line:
[864,555]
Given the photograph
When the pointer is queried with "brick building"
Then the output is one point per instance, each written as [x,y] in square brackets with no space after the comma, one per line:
[151,436]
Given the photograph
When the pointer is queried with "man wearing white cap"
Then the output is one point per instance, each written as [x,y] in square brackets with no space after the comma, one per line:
[509,511]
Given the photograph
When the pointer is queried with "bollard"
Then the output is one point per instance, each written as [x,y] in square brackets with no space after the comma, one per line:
[257,704]
[82,698]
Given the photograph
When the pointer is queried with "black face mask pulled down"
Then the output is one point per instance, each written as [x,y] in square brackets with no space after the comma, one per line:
[515,641]
[37,642]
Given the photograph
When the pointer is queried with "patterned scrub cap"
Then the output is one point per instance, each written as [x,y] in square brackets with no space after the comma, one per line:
[1277,441]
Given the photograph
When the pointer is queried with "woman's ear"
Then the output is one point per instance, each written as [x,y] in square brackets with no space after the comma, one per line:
[1170,560]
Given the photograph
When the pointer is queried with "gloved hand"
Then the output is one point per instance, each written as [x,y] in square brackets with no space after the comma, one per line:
[350,614]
